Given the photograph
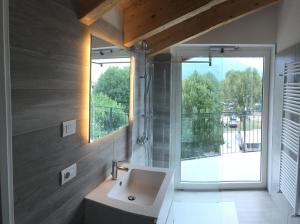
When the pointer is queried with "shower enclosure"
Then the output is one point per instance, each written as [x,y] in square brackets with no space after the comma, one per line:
[142,123]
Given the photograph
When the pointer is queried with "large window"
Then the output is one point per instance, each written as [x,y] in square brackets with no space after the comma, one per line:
[221,119]
[109,93]
[222,142]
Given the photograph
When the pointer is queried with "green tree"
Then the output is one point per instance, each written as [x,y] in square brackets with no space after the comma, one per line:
[114,83]
[201,94]
[202,129]
[241,90]
[107,115]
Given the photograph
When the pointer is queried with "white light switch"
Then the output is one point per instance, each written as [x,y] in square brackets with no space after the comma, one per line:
[68,174]
[68,128]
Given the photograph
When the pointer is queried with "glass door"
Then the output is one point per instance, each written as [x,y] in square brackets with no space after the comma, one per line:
[221,117]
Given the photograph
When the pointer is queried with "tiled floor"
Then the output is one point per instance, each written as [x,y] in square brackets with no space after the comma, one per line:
[205,213]
[252,207]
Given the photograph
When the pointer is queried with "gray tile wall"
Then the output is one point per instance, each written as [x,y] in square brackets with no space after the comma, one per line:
[49,69]
[138,155]
[161,110]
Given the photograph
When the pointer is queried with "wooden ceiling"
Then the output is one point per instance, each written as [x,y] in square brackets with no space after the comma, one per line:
[165,23]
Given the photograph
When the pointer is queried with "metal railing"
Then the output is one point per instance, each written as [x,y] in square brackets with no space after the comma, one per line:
[213,134]
[104,120]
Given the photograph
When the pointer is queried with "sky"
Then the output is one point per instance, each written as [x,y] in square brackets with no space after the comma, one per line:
[220,66]
[97,70]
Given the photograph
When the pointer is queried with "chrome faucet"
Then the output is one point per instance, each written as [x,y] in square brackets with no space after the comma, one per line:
[115,169]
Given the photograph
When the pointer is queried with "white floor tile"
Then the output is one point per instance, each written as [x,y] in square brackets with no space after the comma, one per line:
[205,213]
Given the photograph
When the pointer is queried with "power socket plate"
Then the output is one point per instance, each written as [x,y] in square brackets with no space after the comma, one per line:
[68,174]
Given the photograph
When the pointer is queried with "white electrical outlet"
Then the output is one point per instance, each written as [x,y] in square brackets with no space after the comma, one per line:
[68,174]
[68,128]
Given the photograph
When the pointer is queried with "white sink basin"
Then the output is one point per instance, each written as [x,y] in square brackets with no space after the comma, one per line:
[141,195]
[138,187]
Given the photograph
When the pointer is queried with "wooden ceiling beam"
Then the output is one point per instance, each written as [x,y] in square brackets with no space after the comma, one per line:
[92,10]
[204,22]
[145,18]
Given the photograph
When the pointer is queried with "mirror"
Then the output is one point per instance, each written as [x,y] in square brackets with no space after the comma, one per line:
[109,88]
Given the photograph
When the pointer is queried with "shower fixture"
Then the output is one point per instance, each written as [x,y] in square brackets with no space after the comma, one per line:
[145,138]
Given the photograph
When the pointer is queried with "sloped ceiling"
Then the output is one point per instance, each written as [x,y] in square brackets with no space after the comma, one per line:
[163,24]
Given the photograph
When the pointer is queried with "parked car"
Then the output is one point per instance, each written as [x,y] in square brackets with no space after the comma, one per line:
[233,122]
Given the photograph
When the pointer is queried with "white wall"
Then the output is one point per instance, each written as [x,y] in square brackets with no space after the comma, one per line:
[114,17]
[288,24]
[288,35]
[256,28]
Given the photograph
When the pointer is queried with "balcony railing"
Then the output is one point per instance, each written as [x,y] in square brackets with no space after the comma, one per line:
[213,134]
[104,120]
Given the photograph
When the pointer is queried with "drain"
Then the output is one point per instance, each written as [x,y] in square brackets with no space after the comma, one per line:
[131,197]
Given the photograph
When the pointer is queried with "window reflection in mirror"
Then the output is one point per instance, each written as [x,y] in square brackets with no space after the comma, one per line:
[109,88]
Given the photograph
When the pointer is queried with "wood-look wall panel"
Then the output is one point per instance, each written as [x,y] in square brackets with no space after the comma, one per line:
[37,109]
[39,193]
[46,193]
[38,209]
[45,151]
[74,204]
[71,5]
[34,71]
[48,28]
[49,64]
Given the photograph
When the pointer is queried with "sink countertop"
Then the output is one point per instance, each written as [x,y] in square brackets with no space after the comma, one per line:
[100,194]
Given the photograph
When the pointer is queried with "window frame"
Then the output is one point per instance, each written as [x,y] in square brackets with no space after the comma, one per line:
[196,50]
[130,103]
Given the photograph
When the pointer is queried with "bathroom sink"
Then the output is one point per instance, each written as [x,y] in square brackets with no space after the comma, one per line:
[141,195]
[138,186]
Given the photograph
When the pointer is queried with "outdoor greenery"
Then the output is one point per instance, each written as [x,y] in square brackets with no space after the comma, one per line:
[109,102]
[114,83]
[241,90]
[204,98]
[201,106]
